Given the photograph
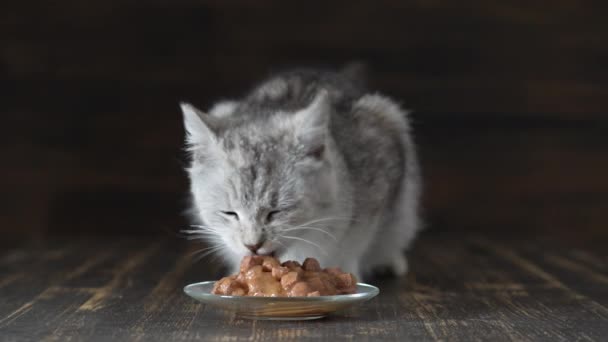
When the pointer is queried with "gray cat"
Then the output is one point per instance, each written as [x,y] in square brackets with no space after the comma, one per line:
[307,164]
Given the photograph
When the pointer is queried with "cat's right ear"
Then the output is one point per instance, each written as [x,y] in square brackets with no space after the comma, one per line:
[200,127]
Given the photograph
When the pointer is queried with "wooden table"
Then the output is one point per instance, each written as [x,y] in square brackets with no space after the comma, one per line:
[460,288]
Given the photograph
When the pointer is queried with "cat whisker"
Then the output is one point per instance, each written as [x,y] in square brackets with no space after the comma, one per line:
[202,250]
[202,253]
[200,227]
[201,230]
[205,233]
[279,242]
[208,238]
[312,228]
[329,219]
[307,241]
[190,231]
[201,235]
[202,256]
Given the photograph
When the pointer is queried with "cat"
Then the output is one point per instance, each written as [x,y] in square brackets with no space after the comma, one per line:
[309,163]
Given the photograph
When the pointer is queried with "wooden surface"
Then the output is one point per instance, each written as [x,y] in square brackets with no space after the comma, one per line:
[460,288]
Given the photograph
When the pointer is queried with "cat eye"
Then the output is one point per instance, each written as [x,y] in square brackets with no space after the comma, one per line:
[317,153]
[271,215]
[231,214]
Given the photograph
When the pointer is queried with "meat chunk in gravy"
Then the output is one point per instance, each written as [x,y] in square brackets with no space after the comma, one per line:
[265,276]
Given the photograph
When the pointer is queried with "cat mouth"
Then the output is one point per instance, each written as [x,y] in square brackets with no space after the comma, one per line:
[271,254]
[277,253]
[273,251]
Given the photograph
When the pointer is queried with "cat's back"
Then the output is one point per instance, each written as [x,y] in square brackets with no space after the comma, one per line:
[370,130]
[362,123]
[355,107]
[293,90]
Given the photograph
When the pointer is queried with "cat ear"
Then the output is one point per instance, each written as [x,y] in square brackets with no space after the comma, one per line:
[200,127]
[312,125]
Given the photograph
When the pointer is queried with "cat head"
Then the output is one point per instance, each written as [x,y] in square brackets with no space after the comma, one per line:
[258,178]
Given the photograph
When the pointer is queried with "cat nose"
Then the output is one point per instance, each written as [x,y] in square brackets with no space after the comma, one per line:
[254,248]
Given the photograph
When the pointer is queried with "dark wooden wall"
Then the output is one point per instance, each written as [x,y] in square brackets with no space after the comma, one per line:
[510,103]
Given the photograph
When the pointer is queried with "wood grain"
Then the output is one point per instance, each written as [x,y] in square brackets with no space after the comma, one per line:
[509,103]
[460,288]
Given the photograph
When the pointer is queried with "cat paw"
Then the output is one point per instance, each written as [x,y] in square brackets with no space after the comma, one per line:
[397,267]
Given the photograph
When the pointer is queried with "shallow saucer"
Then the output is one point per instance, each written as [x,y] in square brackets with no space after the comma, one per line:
[280,308]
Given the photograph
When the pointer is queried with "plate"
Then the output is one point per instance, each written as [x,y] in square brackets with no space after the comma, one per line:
[280,308]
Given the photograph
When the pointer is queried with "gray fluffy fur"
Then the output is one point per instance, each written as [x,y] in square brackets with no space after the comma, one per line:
[333,165]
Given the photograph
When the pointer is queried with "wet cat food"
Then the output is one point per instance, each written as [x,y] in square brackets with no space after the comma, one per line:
[264,276]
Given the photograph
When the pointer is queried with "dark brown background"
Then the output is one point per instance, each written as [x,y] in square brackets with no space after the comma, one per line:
[510,104]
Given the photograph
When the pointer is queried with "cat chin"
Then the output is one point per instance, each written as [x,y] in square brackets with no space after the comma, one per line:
[279,254]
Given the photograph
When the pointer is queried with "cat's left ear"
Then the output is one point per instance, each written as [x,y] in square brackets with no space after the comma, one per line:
[312,125]
[200,127]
